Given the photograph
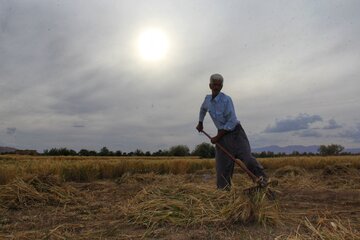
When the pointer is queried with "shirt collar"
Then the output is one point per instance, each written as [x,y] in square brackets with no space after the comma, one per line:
[217,98]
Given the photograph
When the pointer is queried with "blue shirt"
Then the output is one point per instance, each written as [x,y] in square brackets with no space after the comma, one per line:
[221,110]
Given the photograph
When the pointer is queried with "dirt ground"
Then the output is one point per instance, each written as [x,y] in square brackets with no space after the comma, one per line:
[319,197]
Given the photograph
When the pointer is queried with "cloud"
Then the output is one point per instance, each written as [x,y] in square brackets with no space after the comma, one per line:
[78,125]
[332,125]
[308,133]
[302,121]
[11,130]
[353,134]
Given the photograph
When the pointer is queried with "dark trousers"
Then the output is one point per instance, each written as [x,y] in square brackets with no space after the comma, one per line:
[237,143]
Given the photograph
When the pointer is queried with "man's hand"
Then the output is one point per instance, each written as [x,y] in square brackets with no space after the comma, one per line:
[217,138]
[200,127]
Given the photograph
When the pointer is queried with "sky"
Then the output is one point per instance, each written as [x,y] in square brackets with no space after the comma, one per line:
[71,74]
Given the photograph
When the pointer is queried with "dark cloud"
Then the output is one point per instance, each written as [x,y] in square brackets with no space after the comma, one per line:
[79,101]
[332,125]
[11,130]
[78,125]
[308,133]
[5,13]
[302,121]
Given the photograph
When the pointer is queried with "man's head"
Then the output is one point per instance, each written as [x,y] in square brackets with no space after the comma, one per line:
[216,77]
[216,84]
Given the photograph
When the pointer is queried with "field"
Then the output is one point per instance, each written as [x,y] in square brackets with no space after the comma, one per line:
[175,198]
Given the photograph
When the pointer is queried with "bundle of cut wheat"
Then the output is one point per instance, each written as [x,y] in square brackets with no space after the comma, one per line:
[36,190]
[185,204]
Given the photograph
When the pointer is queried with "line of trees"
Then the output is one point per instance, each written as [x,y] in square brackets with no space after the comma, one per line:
[323,150]
[332,149]
[203,150]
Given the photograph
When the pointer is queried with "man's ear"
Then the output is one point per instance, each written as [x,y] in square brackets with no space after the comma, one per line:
[210,86]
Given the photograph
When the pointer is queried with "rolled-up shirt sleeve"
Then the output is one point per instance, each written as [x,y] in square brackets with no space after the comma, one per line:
[203,111]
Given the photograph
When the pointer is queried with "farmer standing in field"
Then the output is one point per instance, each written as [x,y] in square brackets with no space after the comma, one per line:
[230,134]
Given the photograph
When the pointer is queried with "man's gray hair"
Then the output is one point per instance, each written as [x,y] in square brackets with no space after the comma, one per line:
[216,77]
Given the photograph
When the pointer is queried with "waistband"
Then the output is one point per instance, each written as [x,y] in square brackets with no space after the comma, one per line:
[236,128]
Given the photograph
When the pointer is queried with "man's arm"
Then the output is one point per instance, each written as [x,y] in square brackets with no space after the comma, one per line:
[203,111]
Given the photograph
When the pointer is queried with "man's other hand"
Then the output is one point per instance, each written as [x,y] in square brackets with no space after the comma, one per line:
[215,139]
[200,127]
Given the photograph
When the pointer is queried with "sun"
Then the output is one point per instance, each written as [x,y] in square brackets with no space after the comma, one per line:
[153,44]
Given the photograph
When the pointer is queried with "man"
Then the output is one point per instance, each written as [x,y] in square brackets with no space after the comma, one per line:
[230,134]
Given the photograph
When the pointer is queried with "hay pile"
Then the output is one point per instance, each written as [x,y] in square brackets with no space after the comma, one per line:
[341,175]
[289,171]
[187,204]
[36,191]
[338,169]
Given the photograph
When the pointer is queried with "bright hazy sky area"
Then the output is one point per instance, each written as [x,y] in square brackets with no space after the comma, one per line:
[78,74]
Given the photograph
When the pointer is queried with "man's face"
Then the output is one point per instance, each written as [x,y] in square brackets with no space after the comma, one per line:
[216,87]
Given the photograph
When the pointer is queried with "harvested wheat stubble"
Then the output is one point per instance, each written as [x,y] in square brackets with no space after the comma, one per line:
[329,229]
[188,204]
[145,178]
[37,191]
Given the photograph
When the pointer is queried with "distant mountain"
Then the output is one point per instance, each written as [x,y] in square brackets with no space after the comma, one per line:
[352,150]
[288,149]
[299,148]
[7,149]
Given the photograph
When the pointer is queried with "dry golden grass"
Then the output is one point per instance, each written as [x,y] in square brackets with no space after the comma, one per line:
[84,169]
[311,162]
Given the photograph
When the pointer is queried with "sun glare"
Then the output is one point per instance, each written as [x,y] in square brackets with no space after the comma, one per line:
[153,44]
